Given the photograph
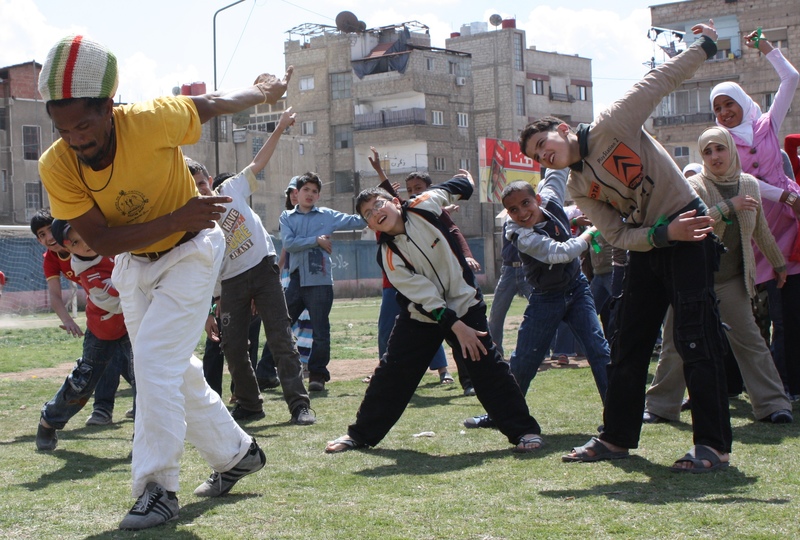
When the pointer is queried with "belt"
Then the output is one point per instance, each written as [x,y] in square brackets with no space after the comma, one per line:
[153,256]
[514,264]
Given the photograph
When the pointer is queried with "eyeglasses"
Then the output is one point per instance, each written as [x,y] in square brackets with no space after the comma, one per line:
[379,203]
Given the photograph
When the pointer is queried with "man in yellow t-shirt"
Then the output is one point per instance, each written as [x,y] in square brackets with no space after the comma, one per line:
[118,176]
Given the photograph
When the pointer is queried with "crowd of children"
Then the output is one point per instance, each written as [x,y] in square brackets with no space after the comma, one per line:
[664,229]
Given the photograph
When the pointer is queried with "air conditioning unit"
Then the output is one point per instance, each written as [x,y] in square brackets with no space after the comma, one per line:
[461,81]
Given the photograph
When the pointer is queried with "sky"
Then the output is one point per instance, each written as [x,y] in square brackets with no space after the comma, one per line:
[166,43]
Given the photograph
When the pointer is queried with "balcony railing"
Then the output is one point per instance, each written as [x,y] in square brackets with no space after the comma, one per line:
[557,96]
[387,119]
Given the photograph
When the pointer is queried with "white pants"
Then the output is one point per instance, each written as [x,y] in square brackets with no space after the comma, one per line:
[165,304]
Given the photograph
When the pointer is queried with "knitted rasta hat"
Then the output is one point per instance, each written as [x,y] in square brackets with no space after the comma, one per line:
[77,67]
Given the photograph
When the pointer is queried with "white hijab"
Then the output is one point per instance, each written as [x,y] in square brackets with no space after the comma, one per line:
[750,109]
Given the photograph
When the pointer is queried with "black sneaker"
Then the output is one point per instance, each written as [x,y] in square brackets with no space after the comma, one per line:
[316,383]
[303,416]
[650,418]
[267,383]
[469,391]
[46,438]
[781,417]
[152,508]
[221,483]
[239,413]
[482,421]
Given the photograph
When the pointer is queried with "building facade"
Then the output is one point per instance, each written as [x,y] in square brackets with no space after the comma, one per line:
[423,108]
[685,113]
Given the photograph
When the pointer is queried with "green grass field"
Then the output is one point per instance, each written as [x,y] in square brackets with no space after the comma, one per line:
[459,484]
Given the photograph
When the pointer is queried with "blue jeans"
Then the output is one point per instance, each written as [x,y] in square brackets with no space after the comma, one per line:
[601,292]
[98,354]
[390,309]
[512,282]
[545,311]
[318,300]
[106,390]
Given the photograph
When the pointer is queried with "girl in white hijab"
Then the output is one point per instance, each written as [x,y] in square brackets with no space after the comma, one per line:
[756,138]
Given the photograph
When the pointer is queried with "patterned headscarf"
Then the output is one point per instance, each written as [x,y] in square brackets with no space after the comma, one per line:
[718,135]
[750,109]
[77,67]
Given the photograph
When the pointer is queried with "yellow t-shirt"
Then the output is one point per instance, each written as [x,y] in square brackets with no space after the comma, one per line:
[149,179]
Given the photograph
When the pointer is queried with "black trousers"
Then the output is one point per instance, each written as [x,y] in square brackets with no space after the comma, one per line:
[683,276]
[411,346]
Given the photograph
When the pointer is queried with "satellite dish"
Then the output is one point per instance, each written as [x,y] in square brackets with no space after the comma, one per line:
[347,22]
[496,19]
[176,90]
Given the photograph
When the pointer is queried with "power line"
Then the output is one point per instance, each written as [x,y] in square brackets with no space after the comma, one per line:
[241,34]
[306,9]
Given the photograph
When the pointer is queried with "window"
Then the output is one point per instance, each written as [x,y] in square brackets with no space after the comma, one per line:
[681,151]
[223,129]
[723,49]
[437,118]
[583,93]
[30,142]
[430,64]
[4,181]
[343,181]
[517,52]
[2,118]
[769,99]
[438,164]
[520,100]
[258,142]
[452,68]
[301,149]
[306,83]
[779,37]
[343,136]
[33,196]
[537,87]
[340,85]
[307,127]
[463,163]
[462,119]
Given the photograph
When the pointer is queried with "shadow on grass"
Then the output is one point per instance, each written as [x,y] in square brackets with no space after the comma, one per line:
[416,463]
[666,487]
[185,517]
[76,465]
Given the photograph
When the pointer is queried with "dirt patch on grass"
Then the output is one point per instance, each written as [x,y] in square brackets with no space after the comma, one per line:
[341,370]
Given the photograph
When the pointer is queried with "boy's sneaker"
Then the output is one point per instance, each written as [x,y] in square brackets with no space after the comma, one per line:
[482,421]
[46,438]
[302,416]
[316,383]
[239,413]
[152,508]
[98,418]
[267,383]
[130,413]
[221,483]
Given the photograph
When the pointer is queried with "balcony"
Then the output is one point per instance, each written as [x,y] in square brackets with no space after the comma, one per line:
[557,96]
[387,119]
[678,119]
